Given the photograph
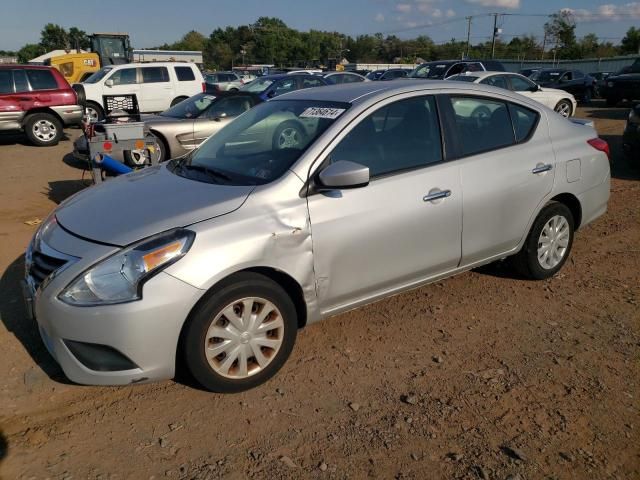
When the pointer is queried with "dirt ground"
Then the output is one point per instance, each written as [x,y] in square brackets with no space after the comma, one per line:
[480,376]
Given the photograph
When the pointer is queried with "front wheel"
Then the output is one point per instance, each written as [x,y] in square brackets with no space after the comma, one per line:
[241,335]
[289,135]
[564,108]
[548,244]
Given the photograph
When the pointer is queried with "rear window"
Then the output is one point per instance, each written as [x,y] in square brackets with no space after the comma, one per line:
[185,74]
[42,79]
[6,83]
[155,74]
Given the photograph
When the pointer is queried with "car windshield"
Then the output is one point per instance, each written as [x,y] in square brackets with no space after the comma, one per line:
[192,107]
[99,75]
[546,76]
[374,75]
[430,70]
[463,78]
[259,146]
[257,86]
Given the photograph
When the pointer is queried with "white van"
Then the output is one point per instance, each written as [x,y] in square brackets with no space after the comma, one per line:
[157,85]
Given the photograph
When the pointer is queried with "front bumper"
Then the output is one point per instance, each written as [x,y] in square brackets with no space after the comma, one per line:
[146,331]
[70,114]
[631,141]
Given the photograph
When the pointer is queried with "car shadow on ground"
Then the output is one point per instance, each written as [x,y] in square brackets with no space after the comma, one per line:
[4,446]
[622,166]
[14,316]
[20,139]
[60,190]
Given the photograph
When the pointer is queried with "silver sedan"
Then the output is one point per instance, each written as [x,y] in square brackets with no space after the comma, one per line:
[216,260]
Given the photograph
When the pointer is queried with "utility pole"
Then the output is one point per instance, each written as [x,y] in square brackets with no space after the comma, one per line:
[495,34]
[466,54]
[544,44]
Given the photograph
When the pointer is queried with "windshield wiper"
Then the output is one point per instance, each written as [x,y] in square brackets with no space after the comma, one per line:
[209,171]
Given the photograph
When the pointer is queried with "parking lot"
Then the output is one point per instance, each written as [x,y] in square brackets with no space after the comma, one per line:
[484,375]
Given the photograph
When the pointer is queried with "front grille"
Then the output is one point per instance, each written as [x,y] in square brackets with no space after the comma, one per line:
[42,266]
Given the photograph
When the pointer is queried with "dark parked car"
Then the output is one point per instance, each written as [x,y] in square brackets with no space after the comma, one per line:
[600,82]
[271,86]
[528,72]
[631,136]
[37,100]
[447,68]
[623,86]
[572,81]
[389,74]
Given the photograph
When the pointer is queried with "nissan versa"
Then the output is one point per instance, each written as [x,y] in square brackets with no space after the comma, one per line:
[303,207]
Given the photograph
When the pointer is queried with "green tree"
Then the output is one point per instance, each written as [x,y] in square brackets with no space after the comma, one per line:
[589,45]
[191,41]
[561,30]
[30,51]
[54,37]
[631,41]
[78,39]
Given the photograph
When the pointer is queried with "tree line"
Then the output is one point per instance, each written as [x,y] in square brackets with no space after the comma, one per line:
[271,41]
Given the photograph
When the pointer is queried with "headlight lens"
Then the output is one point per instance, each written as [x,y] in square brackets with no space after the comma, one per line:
[118,278]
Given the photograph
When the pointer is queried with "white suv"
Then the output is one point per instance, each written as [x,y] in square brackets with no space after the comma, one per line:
[157,85]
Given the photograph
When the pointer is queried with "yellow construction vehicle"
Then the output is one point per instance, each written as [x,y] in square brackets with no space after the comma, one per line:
[106,49]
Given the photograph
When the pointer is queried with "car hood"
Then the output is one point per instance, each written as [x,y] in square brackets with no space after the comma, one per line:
[135,206]
[555,90]
[627,77]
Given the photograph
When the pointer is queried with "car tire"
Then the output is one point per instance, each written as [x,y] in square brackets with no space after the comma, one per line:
[43,129]
[234,90]
[587,96]
[564,108]
[237,366]
[531,261]
[177,100]
[289,135]
[95,112]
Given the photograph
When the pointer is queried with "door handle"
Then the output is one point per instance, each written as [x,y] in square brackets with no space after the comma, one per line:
[436,195]
[540,168]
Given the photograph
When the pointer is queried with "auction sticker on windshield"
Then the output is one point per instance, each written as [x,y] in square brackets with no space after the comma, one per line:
[322,112]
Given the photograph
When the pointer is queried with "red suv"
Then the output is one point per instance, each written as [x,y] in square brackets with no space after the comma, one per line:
[37,100]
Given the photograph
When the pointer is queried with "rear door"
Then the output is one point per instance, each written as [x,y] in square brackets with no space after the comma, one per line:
[506,170]
[157,89]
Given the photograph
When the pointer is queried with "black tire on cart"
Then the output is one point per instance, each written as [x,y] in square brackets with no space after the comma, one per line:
[177,100]
[94,111]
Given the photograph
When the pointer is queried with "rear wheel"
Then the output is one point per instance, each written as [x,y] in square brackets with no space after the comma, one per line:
[43,129]
[94,112]
[241,335]
[177,100]
[139,158]
[548,244]
[564,108]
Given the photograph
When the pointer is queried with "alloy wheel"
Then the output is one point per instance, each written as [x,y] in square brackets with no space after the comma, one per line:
[563,109]
[289,138]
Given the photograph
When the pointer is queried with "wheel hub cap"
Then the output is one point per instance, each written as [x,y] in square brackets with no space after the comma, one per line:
[44,130]
[553,242]
[244,337]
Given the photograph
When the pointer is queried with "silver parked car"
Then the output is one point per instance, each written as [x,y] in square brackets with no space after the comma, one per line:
[305,206]
[224,81]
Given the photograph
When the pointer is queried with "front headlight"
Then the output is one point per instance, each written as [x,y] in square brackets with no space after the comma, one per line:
[119,278]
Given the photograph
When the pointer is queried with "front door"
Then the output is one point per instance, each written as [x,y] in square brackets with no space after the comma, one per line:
[125,82]
[402,228]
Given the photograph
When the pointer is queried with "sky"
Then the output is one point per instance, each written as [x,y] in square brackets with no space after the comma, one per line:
[150,23]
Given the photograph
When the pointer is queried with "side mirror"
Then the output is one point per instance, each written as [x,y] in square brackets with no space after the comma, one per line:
[219,116]
[109,83]
[342,175]
[535,88]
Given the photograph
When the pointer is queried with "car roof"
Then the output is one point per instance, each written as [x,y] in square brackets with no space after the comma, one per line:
[153,64]
[22,66]
[356,92]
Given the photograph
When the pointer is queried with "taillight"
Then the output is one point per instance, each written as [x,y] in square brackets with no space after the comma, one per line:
[601,145]
[204,87]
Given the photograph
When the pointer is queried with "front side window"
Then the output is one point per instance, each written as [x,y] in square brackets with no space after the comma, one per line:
[400,136]
[311,82]
[184,74]
[259,85]
[6,81]
[192,107]
[482,124]
[124,76]
[285,86]
[567,77]
[520,84]
[155,74]
[261,145]
[41,79]
[495,81]
[430,70]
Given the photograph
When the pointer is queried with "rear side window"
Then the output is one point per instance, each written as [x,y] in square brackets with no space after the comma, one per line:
[185,74]
[524,121]
[155,74]
[41,80]
[400,136]
[495,81]
[6,82]
[311,82]
[482,124]
[20,81]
